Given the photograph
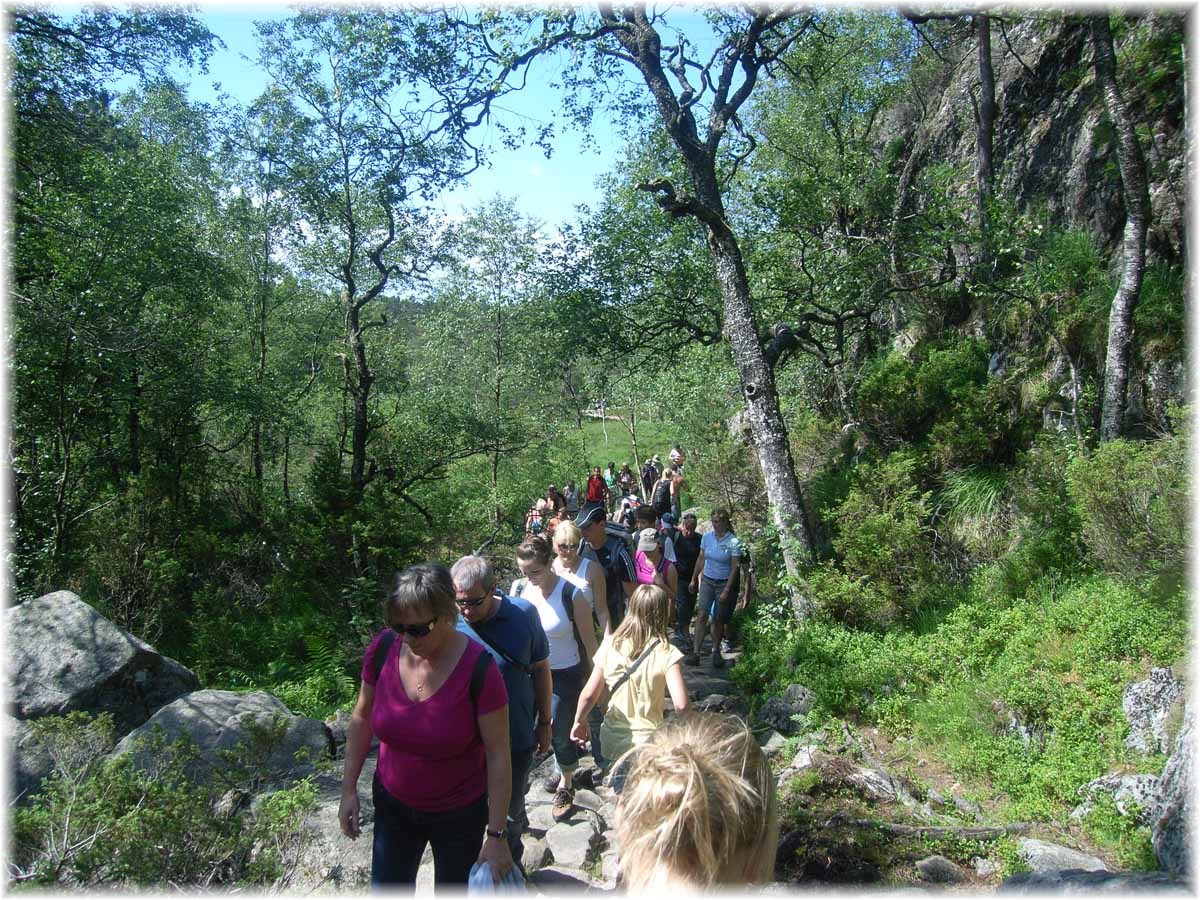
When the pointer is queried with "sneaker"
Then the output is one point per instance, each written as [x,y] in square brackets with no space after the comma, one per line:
[564,802]
[551,783]
[718,661]
[692,659]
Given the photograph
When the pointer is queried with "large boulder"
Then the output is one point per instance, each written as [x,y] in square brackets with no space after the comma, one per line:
[1147,706]
[216,721]
[65,656]
[1043,856]
[1133,795]
[779,712]
[31,760]
[1078,881]
[1170,833]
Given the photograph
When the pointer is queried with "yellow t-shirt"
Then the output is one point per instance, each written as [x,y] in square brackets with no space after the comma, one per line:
[636,709]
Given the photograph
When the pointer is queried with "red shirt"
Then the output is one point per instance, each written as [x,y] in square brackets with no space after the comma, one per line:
[431,755]
[595,489]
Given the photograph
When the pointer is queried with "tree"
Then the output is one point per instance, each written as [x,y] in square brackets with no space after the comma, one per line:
[1134,188]
[682,88]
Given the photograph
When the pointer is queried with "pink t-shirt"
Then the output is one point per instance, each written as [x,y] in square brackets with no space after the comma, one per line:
[431,755]
[646,569]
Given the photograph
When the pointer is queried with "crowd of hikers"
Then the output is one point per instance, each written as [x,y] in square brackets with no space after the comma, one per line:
[469,683]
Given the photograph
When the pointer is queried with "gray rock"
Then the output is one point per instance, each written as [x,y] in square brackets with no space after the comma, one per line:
[940,870]
[1147,705]
[1043,856]
[586,799]
[219,721]
[1169,834]
[720,703]
[610,865]
[328,860]
[573,843]
[965,806]
[31,760]
[935,798]
[778,712]
[535,852]
[557,880]
[65,656]
[1133,795]
[338,725]
[1080,882]
[984,868]
[773,742]
[539,813]
[875,784]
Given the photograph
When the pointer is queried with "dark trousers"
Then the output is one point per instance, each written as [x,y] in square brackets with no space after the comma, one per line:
[685,605]
[518,821]
[566,685]
[402,832]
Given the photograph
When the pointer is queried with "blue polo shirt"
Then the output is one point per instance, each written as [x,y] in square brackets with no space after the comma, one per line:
[516,628]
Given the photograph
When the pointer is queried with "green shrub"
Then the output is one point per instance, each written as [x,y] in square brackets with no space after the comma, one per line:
[1133,503]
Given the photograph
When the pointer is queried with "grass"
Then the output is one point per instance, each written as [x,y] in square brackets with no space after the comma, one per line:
[653,437]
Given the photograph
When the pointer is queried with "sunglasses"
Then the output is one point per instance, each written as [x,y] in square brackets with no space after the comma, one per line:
[416,631]
[565,546]
[471,602]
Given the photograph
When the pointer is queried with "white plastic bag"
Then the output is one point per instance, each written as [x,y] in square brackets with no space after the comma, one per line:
[480,883]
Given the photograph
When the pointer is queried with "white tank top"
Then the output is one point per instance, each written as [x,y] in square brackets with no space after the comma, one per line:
[564,652]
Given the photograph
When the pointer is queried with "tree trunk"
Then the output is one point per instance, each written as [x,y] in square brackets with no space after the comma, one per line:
[983,143]
[1132,166]
[358,380]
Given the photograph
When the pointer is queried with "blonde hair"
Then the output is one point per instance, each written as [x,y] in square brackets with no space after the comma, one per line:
[646,617]
[698,806]
[568,532]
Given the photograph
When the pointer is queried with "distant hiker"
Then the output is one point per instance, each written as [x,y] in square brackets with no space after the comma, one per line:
[614,558]
[687,552]
[650,475]
[437,702]
[571,497]
[533,519]
[744,592]
[678,483]
[626,480]
[554,499]
[629,507]
[660,494]
[677,457]
[698,812]
[567,620]
[612,480]
[636,666]
[720,554]
[584,573]
[645,517]
[595,490]
[511,630]
[652,567]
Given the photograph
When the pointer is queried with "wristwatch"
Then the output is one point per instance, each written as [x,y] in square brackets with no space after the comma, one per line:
[499,835]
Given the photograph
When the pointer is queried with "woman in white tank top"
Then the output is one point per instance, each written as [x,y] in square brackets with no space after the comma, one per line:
[584,573]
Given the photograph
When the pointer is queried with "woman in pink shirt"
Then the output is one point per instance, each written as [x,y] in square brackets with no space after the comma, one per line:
[437,702]
[650,564]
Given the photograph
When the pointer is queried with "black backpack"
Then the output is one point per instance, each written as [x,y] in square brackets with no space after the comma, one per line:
[661,501]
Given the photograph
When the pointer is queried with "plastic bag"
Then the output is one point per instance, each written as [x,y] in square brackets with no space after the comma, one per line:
[479,882]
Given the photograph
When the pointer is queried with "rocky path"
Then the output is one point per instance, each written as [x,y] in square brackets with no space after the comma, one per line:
[578,853]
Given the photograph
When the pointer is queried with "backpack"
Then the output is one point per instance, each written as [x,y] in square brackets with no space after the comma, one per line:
[661,500]
[478,673]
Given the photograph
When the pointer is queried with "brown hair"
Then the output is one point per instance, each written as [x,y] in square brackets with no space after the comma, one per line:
[426,589]
[536,549]
[698,806]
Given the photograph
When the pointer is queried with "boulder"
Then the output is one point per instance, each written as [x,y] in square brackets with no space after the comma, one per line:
[1147,705]
[65,656]
[1075,881]
[778,712]
[534,852]
[1133,795]
[218,721]
[984,868]
[772,742]
[573,843]
[539,815]
[1170,831]
[31,760]
[718,703]
[556,880]
[1043,856]
[940,870]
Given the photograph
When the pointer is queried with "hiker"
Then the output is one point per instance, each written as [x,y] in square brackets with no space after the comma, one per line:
[652,567]
[620,577]
[720,554]
[511,630]
[744,591]
[612,480]
[626,480]
[698,811]
[437,703]
[595,490]
[636,666]
[629,507]
[644,517]
[571,497]
[660,494]
[555,501]
[676,458]
[678,483]
[584,573]
[567,620]
[650,475]
[687,552]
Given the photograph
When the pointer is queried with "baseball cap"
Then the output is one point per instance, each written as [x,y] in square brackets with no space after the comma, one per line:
[647,539]
[668,520]
[590,515]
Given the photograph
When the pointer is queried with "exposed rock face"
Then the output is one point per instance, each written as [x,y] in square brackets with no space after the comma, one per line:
[940,870]
[1147,705]
[66,657]
[777,712]
[1075,881]
[1133,795]
[1043,856]
[221,720]
[1170,833]
[31,760]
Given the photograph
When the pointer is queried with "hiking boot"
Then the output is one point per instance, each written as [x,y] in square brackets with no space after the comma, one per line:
[718,661]
[564,802]
[692,659]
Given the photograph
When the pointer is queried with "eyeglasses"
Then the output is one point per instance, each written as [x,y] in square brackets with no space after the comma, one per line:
[566,546]
[471,602]
[416,631]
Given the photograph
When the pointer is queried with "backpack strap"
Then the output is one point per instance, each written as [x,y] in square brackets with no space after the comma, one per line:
[632,668]
[478,674]
[381,651]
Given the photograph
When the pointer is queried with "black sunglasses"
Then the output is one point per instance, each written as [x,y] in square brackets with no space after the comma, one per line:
[471,602]
[417,631]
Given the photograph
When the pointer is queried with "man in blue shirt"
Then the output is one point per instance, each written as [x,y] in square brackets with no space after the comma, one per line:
[510,629]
